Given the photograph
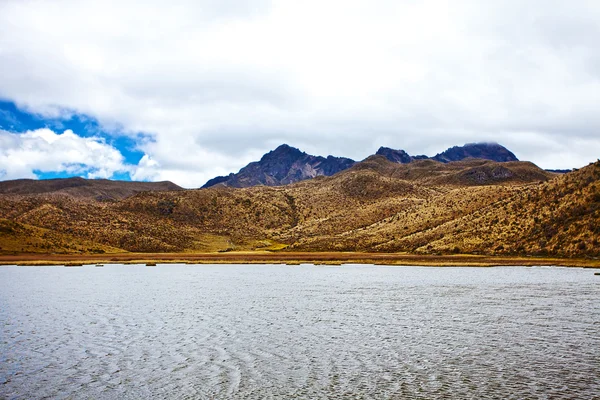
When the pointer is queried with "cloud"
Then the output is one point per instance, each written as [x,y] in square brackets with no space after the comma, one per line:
[24,155]
[216,84]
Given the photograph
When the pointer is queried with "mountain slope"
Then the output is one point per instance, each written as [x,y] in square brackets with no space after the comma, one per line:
[376,205]
[283,166]
[98,189]
[560,217]
[468,172]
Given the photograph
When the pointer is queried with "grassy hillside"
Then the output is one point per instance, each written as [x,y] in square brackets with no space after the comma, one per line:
[471,206]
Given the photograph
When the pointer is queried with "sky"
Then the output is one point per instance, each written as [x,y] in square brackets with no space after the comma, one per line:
[185,90]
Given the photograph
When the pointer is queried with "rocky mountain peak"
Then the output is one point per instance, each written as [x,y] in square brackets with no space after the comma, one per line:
[397,156]
[487,151]
[283,151]
[282,166]
[287,164]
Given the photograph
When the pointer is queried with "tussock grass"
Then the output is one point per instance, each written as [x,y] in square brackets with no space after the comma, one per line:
[426,208]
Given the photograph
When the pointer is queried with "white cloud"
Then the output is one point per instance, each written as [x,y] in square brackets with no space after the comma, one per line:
[46,151]
[219,83]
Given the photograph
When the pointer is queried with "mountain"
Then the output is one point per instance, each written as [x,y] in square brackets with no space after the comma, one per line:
[217,180]
[427,207]
[287,164]
[486,151]
[397,156]
[558,217]
[282,166]
[97,189]
[468,172]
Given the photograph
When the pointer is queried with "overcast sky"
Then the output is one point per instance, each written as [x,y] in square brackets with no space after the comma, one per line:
[187,90]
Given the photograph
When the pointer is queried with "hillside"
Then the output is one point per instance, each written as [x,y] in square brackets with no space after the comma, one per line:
[559,217]
[467,172]
[97,189]
[472,206]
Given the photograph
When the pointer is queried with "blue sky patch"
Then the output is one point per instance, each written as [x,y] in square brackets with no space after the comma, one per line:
[53,174]
[15,120]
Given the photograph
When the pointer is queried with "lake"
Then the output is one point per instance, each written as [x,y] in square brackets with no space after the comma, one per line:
[311,332]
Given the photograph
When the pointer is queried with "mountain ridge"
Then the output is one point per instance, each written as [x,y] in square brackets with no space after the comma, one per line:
[484,150]
[423,207]
[284,165]
[287,164]
[97,189]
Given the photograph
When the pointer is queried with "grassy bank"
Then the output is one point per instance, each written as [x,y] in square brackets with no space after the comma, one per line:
[293,258]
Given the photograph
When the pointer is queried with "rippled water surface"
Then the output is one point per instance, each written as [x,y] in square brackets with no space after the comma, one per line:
[258,332]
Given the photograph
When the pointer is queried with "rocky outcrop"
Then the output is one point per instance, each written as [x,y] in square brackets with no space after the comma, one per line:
[397,156]
[287,164]
[283,166]
[486,151]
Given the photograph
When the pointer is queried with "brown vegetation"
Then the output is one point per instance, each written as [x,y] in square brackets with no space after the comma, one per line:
[425,207]
[96,189]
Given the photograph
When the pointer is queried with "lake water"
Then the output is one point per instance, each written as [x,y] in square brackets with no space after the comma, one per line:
[259,332]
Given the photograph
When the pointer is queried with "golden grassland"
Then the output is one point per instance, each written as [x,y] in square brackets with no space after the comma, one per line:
[473,212]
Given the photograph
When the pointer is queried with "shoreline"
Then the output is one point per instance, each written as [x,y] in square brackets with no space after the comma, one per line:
[295,258]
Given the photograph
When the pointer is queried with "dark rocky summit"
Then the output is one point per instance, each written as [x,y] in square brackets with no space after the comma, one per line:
[283,166]
[486,151]
[397,156]
[287,164]
[217,180]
